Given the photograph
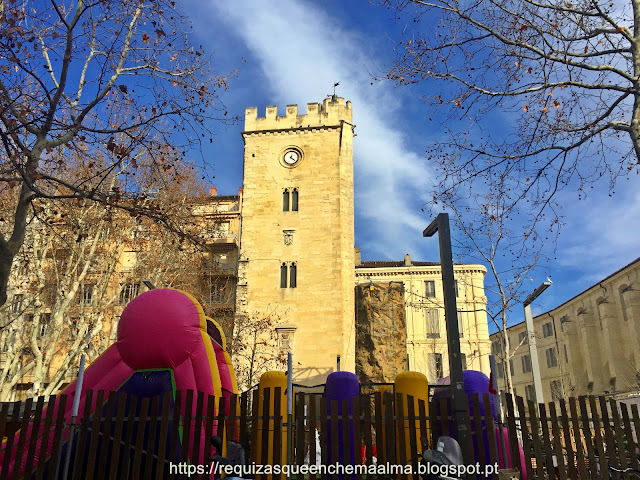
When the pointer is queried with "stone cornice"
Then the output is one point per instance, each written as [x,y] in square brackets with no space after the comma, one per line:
[423,271]
[290,131]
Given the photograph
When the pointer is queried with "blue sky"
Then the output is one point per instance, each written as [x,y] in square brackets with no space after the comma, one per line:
[293,51]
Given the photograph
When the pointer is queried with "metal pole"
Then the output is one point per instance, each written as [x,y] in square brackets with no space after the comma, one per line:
[289,407]
[441,225]
[533,352]
[74,415]
[498,404]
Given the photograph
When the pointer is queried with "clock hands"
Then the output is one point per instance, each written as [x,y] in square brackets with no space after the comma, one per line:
[291,157]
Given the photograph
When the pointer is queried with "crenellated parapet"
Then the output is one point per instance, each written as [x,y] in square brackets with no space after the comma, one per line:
[332,111]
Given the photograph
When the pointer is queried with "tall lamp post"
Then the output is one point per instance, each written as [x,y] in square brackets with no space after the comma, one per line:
[533,351]
[441,226]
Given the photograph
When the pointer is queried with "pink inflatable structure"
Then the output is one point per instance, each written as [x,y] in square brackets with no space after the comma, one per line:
[164,344]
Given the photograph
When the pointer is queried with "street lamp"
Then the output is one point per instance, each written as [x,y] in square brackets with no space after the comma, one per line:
[533,351]
[441,226]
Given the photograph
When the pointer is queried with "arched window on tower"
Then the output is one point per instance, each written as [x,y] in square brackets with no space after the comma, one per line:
[293,272]
[294,200]
[283,275]
[285,200]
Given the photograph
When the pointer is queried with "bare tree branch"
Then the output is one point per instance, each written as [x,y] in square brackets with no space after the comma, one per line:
[102,78]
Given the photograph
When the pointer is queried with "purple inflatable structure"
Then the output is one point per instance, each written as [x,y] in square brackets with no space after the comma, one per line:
[478,382]
[341,386]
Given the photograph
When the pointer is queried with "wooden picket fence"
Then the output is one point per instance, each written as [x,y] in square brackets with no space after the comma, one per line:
[138,438]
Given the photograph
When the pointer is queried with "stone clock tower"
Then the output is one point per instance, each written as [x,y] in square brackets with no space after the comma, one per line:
[297,237]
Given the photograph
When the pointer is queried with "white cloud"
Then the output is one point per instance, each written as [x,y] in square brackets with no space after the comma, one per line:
[302,52]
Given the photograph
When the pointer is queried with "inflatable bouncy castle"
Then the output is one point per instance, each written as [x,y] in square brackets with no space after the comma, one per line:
[165,343]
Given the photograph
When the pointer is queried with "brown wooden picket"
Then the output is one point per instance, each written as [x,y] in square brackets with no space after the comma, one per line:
[491,430]
[366,427]
[164,428]
[636,423]
[8,445]
[324,451]
[389,429]
[264,452]
[557,442]
[357,434]
[536,439]
[57,436]
[581,459]
[413,441]
[153,431]
[617,432]
[401,439]
[313,425]
[631,442]
[23,433]
[4,413]
[476,423]
[35,426]
[610,446]
[378,419]
[300,403]
[600,444]
[425,441]
[277,430]
[128,438]
[118,436]
[333,451]
[568,446]
[107,431]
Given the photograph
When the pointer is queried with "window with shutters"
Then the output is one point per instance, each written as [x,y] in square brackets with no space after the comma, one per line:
[530,393]
[433,323]
[430,289]
[437,365]
[526,363]
[85,295]
[128,292]
[552,357]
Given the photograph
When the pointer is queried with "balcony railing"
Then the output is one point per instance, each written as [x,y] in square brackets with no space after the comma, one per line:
[220,268]
[222,239]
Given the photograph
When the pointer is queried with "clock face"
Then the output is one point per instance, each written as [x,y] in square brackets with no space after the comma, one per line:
[291,157]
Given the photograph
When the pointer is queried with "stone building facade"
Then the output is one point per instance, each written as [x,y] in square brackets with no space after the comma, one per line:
[297,234]
[285,245]
[425,345]
[589,345]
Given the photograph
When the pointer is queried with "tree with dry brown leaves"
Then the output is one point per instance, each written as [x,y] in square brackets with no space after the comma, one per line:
[80,264]
[101,79]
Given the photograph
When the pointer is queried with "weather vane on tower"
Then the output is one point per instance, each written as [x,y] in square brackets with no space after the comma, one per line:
[334,97]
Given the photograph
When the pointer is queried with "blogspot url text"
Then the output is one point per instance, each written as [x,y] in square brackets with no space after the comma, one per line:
[252,469]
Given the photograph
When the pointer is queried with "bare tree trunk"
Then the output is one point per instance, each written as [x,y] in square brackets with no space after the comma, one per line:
[6,261]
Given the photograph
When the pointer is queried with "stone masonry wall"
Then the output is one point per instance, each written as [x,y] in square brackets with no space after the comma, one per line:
[381,332]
